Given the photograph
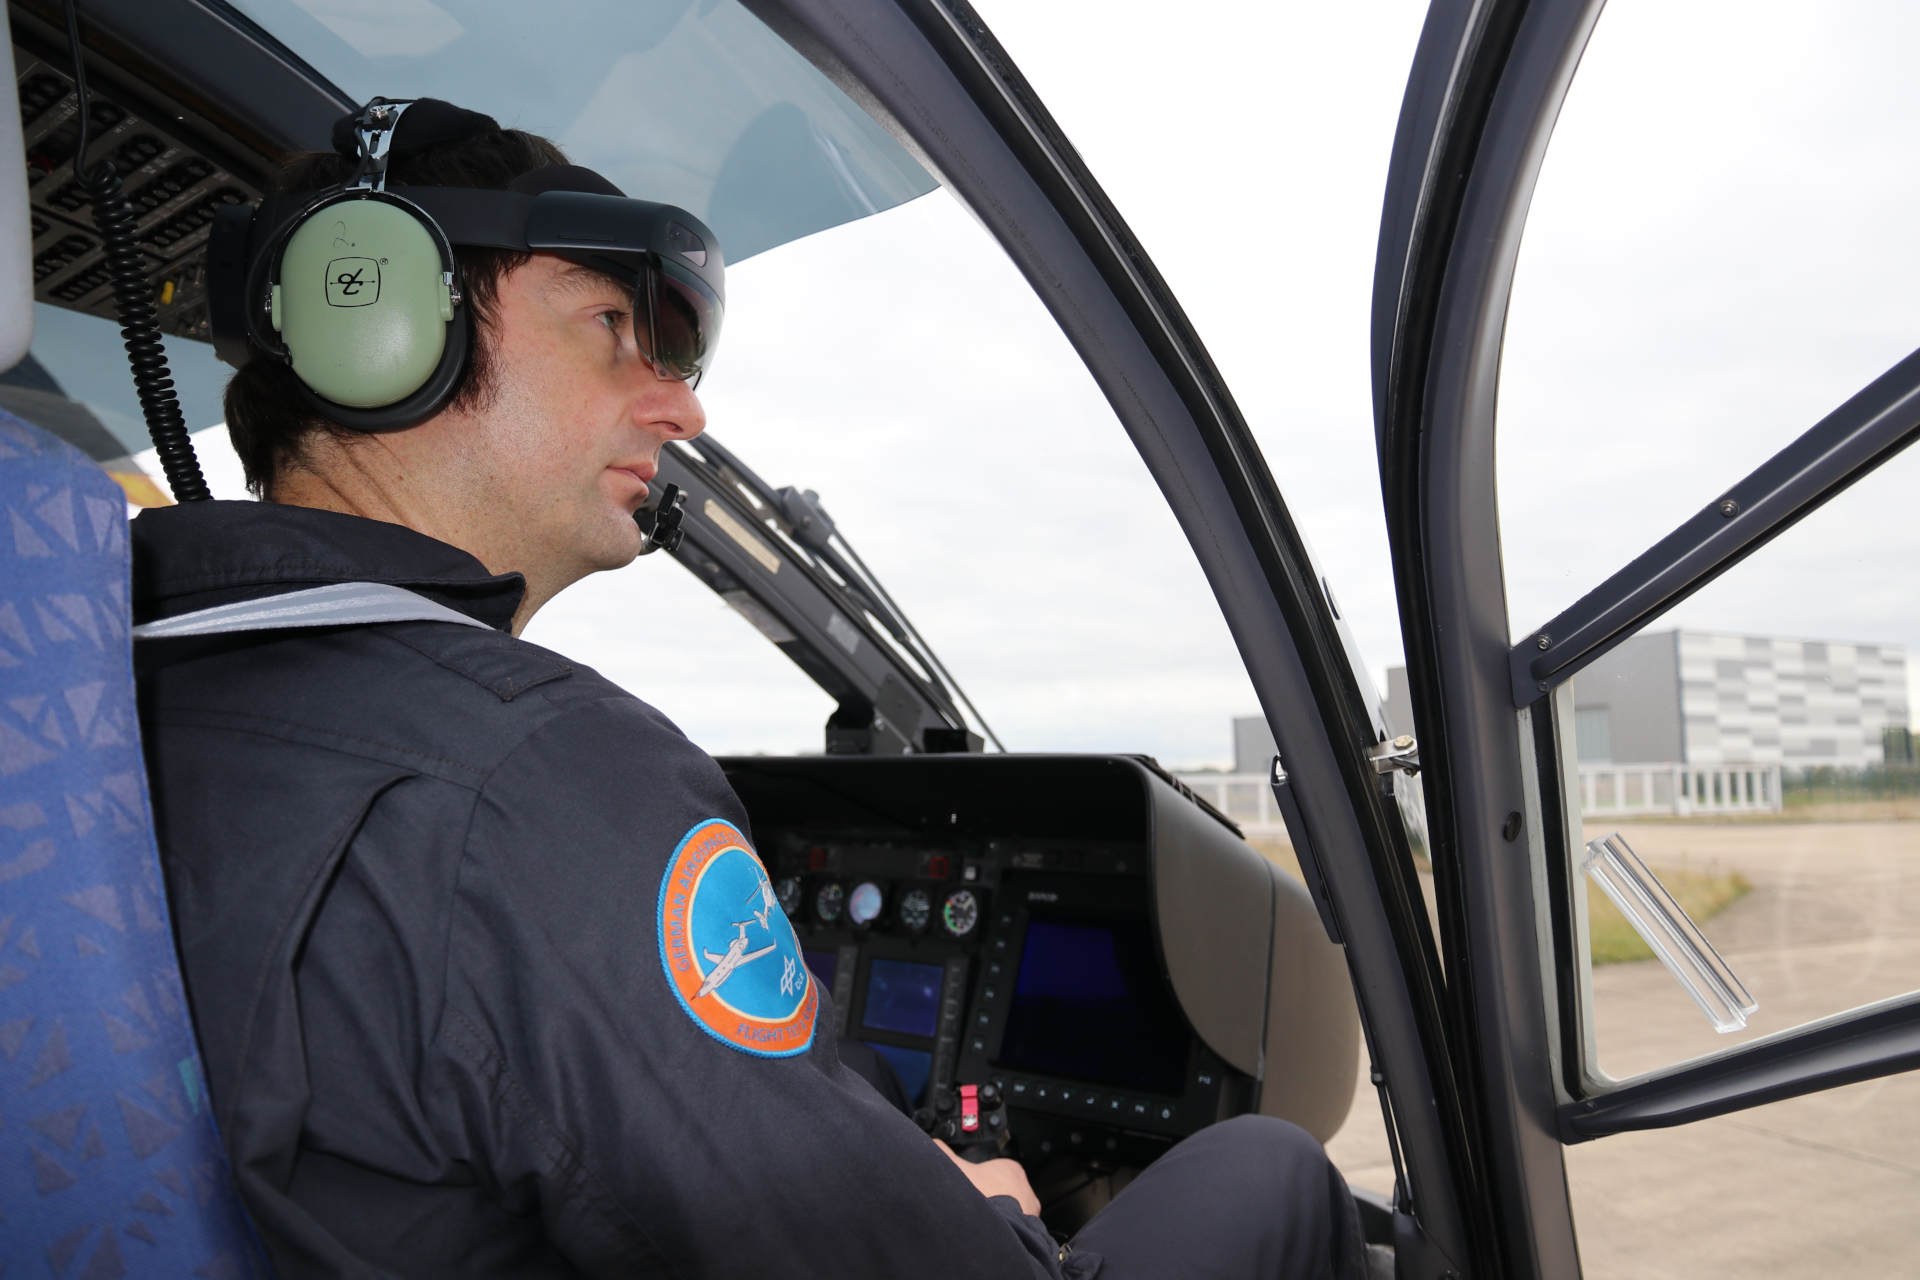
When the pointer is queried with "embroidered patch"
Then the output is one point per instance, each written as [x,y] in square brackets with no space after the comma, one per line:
[728,949]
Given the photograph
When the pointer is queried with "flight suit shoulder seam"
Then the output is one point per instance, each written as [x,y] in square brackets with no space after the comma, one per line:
[540,665]
[564,711]
[460,772]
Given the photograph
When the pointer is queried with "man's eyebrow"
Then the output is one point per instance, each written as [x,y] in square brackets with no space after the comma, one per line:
[577,278]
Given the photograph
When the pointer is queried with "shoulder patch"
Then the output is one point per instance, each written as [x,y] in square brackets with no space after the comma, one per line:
[729,952]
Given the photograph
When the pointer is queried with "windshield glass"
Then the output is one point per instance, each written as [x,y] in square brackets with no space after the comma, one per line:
[694,104]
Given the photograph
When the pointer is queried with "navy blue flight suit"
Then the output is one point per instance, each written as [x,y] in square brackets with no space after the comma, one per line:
[436,890]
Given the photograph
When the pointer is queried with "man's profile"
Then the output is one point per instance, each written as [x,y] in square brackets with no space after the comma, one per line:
[439,891]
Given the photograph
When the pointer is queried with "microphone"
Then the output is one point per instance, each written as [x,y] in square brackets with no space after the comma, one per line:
[660,523]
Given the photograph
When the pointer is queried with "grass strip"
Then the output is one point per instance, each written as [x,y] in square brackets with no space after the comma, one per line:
[1704,894]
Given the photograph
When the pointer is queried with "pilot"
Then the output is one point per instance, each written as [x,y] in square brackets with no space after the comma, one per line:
[476,941]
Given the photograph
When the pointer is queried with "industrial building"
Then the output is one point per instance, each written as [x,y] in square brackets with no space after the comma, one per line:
[1691,721]
[1709,698]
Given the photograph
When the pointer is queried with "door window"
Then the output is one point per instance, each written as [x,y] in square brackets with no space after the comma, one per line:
[1789,824]
[1714,261]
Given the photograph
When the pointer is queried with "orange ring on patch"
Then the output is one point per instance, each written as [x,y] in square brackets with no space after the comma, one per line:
[783,1035]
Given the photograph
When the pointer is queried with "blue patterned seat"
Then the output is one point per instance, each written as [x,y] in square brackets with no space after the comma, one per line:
[109,1163]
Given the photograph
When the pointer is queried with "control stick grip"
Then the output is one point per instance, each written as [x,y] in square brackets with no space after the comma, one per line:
[972,1119]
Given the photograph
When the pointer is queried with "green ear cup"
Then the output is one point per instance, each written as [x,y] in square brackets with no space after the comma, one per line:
[362,303]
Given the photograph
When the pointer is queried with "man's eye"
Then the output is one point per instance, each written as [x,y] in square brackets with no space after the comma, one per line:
[616,321]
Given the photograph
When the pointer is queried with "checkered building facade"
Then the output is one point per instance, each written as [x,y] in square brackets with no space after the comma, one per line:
[1799,703]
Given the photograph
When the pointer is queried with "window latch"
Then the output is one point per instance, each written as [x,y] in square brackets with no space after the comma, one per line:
[1401,754]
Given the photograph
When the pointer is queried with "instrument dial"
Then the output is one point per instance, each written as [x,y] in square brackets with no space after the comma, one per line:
[788,891]
[863,908]
[828,901]
[916,910]
[960,913]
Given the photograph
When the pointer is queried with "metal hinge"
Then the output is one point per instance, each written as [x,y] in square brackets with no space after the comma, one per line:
[1401,753]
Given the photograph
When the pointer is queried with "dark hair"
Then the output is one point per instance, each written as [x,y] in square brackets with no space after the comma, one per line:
[270,423]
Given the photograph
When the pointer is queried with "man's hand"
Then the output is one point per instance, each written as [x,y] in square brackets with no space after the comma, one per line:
[997,1178]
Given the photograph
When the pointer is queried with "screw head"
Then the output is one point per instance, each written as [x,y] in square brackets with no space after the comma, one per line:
[1729,508]
[1543,642]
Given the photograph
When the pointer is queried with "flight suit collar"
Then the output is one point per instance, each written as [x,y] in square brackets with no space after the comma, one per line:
[198,554]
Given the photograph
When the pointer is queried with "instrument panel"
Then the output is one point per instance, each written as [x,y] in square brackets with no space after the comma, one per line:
[1077,930]
[1027,966]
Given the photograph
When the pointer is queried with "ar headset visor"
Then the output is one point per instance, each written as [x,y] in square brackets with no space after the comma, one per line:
[672,261]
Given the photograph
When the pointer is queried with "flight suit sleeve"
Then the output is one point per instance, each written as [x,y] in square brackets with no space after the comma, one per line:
[638,1041]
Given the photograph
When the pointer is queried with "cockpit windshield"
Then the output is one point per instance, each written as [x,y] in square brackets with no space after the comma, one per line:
[688,102]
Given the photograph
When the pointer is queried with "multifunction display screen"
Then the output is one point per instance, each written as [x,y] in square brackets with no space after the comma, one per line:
[1090,1004]
[902,997]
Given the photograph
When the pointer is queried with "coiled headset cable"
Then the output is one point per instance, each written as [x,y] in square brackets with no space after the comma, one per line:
[133,299]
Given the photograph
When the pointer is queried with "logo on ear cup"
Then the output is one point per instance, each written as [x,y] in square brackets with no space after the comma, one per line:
[366,248]
[353,282]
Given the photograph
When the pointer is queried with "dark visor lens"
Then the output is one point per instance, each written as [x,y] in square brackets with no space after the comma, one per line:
[676,322]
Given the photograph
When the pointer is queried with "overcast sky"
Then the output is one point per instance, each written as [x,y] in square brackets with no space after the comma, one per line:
[1721,251]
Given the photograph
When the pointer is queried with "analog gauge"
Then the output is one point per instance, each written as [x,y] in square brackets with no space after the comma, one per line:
[788,891]
[863,907]
[960,913]
[916,909]
[828,901]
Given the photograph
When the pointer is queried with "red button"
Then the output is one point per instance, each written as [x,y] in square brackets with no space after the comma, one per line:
[938,866]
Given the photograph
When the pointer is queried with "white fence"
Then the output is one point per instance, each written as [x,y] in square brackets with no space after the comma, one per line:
[1618,790]
[1247,798]
[1606,790]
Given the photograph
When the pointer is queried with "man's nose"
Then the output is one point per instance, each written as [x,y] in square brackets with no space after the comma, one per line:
[671,408]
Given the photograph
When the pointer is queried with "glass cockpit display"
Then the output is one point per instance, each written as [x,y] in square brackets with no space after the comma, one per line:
[903,997]
[1089,1005]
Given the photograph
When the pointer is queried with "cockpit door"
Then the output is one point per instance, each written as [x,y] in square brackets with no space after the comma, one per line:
[1532,800]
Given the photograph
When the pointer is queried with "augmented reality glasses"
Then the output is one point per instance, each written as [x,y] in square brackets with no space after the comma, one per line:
[673,260]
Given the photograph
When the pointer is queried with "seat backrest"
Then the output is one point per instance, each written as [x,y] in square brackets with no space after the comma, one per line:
[109,1162]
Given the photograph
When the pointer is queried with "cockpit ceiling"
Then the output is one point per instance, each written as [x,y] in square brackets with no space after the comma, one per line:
[173,190]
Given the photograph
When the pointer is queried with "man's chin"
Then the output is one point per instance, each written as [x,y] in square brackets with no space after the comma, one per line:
[620,549]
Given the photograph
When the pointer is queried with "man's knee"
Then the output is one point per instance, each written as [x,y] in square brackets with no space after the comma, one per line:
[1272,1161]
[1251,1196]
[1284,1174]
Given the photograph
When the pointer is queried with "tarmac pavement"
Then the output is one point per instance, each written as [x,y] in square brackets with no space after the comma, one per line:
[1819,1186]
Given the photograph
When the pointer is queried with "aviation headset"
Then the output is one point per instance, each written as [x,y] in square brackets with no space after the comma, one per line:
[358,291]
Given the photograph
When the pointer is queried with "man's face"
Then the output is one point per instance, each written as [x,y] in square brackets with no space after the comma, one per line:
[559,455]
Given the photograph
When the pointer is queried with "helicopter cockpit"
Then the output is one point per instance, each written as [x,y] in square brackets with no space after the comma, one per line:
[1076,941]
